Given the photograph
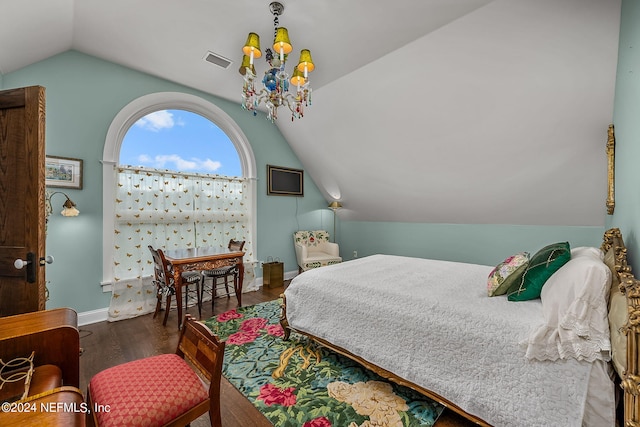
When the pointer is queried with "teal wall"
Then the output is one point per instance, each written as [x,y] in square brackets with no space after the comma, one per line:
[626,119]
[478,244]
[83,96]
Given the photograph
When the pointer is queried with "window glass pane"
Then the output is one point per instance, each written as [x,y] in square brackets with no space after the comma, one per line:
[181,141]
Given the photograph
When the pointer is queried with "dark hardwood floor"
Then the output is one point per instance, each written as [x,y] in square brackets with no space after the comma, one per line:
[107,344]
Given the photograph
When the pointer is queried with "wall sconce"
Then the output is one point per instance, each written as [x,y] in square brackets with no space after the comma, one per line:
[334,206]
[68,208]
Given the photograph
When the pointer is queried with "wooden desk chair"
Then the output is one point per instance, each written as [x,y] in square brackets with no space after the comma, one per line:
[224,273]
[162,390]
[165,286]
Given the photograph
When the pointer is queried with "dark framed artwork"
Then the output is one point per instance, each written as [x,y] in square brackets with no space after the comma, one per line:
[282,181]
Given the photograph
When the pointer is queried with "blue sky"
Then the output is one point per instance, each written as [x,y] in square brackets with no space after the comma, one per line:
[181,141]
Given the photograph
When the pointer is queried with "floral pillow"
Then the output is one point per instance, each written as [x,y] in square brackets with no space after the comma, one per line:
[506,273]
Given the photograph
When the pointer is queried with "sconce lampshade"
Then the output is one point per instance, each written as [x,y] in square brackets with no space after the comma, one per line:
[246,62]
[282,41]
[305,61]
[335,205]
[252,45]
[69,208]
[298,78]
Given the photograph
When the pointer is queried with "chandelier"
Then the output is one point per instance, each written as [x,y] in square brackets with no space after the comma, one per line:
[275,82]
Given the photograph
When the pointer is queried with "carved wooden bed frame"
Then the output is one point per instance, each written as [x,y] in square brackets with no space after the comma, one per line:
[630,383]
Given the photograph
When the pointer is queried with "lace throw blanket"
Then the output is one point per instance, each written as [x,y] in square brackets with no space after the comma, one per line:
[431,323]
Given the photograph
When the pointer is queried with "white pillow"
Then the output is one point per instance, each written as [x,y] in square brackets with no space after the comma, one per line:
[574,305]
[587,251]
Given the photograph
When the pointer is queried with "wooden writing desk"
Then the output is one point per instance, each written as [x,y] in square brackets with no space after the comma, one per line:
[198,259]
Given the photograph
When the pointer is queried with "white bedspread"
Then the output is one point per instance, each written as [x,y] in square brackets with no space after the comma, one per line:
[432,323]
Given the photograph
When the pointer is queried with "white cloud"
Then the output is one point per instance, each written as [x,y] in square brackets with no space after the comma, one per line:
[175,162]
[211,165]
[157,121]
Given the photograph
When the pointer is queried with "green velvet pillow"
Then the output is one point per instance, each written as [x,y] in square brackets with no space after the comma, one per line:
[542,265]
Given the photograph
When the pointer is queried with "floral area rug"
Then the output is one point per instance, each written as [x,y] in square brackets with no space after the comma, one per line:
[300,383]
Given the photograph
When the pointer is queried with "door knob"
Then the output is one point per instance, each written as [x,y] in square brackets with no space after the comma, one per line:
[20,263]
[46,260]
[30,264]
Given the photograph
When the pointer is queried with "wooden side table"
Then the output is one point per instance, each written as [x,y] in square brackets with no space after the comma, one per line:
[272,274]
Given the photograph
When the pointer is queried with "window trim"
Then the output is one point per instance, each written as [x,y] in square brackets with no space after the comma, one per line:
[119,127]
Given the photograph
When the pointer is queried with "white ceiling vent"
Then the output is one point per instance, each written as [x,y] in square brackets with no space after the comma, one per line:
[218,60]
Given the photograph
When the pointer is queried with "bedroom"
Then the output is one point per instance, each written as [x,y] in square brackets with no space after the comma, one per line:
[76,78]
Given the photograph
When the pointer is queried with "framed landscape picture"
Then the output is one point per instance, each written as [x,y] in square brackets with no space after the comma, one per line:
[63,172]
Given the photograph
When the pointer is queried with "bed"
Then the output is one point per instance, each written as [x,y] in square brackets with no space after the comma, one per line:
[430,325]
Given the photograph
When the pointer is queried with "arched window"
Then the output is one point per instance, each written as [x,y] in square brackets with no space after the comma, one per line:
[165,208]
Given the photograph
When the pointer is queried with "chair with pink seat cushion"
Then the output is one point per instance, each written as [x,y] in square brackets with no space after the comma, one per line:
[162,390]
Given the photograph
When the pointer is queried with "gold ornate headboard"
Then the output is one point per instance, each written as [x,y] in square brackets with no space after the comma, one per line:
[630,286]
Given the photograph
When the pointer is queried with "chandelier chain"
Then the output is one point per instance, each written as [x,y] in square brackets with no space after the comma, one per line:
[276,24]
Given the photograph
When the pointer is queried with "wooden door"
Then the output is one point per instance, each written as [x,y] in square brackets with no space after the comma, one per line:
[22,198]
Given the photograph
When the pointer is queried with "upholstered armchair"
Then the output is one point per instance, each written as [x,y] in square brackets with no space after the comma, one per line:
[313,249]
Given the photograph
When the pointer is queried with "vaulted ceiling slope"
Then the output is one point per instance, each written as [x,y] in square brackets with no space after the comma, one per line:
[444,111]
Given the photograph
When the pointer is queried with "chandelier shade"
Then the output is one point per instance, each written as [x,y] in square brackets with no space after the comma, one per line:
[252,46]
[274,92]
[305,61]
[281,42]
[246,63]
[298,78]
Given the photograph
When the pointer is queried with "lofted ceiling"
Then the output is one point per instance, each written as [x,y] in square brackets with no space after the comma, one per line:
[444,111]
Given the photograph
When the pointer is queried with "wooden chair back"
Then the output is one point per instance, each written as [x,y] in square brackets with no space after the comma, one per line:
[236,245]
[163,275]
[205,352]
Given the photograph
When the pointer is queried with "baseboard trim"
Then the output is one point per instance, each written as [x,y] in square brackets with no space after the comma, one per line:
[93,316]
[290,274]
[102,314]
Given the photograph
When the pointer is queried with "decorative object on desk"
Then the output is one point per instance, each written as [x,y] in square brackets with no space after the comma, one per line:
[283,181]
[611,161]
[274,92]
[298,382]
[68,207]
[63,172]
[334,206]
